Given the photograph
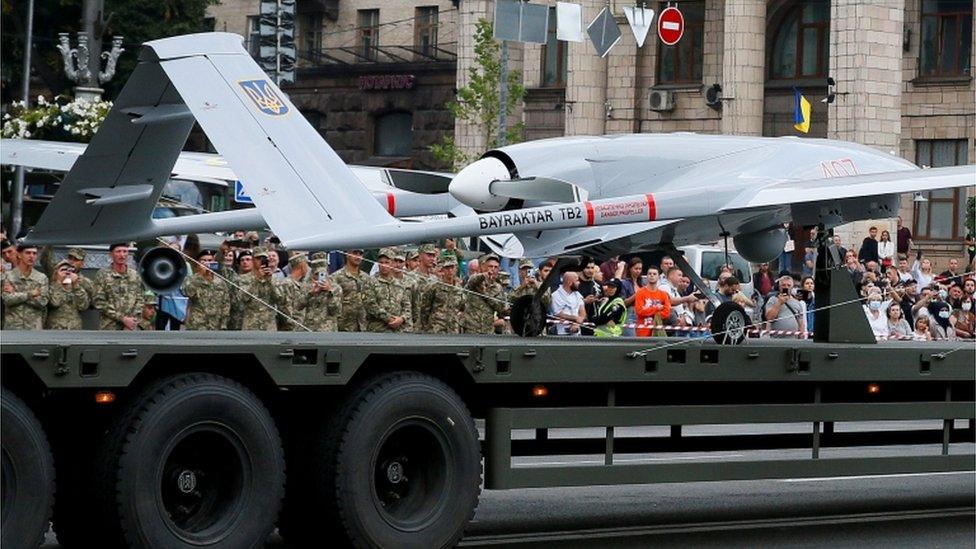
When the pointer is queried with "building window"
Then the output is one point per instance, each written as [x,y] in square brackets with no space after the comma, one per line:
[943,216]
[425,31]
[369,30]
[254,35]
[800,44]
[393,134]
[947,37]
[555,57]
[311,26]
[682,62]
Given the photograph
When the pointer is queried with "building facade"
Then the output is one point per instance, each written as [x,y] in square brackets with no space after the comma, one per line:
[373,77]
[902,71]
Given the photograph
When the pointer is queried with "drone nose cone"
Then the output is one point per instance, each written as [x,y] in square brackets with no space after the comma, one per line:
[472,185]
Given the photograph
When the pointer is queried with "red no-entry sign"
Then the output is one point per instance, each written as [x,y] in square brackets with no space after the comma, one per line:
[670,25]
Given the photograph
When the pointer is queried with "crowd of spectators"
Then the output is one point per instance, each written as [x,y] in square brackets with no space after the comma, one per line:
[437,290]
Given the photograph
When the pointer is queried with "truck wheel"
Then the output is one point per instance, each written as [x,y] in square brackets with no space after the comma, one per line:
[196,461]
[407,464]
[729,324]
[27,475]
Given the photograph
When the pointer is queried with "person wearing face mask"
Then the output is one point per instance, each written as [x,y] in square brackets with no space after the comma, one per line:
[962,321]
[873,309]
[940,328]
[898,327]
[209,296]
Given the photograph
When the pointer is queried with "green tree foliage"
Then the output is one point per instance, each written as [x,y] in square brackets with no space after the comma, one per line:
[137,20]
[480,102]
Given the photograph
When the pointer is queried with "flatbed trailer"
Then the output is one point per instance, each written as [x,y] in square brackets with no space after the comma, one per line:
[180,439]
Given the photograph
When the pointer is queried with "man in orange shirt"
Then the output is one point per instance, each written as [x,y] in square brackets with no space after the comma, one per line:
[653,306]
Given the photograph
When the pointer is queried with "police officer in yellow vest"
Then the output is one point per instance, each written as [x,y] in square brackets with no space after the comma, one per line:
[611,313]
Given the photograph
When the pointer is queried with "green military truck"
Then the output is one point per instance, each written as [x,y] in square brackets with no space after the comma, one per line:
[186,439]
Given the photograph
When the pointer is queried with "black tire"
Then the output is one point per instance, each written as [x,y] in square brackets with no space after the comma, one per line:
[195,461]
[528,317]
[407,464]
[28,475]
[730,324]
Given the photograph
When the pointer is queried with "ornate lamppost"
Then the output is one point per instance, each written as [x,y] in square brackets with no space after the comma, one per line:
[76,65]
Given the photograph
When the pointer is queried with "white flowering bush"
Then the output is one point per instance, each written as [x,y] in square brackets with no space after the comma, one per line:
[58,120]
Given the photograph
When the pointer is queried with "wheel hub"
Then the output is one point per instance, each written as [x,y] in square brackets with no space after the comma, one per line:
[394,473]
[186,481]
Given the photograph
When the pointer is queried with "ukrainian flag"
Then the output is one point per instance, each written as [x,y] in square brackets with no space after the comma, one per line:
[801,112]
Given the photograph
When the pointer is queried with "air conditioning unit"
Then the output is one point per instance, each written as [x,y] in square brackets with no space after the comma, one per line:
[662,100]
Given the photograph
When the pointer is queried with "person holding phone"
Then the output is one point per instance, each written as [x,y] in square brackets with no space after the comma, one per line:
[67,299]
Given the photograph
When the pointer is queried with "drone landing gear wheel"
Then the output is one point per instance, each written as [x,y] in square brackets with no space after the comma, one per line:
[729,324]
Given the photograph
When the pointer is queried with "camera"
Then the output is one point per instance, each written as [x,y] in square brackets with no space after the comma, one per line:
[320,278]
[265,262]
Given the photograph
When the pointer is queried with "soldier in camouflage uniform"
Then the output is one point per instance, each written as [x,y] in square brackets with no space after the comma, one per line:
[68,299]
[147,317]
[208,295]
[294,291]
[354,284]
[325,300]
[479,313]
[425,275]
[118,292]
[245,261]
[388,295]
[25,293]
[260,296]
[442,302]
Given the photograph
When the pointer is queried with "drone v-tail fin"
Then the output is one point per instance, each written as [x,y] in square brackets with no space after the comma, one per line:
[300,185]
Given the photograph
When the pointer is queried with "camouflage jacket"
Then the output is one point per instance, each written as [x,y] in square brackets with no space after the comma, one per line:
[236,301]
[294,302]
[352,317]
[117,296]
[387,297]
[22,310]
[66,305]
[418,283]
[323,308]
[440,307]
[209,305]
[480,309]
[257,315]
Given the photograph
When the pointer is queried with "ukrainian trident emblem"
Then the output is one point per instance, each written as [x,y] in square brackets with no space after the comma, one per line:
[264,97]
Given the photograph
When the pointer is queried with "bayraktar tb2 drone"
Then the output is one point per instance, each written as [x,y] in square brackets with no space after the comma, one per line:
[594,195]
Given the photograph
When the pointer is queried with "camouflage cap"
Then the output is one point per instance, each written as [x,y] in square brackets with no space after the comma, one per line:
[488,257]
[62,263]
[413,254]
[427,248]
[319,263]
[149,298]
[526,263]
[76,253]
[319,255]
[297,258]
[388,253]
[259,251]
[398,255]
[447,261]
